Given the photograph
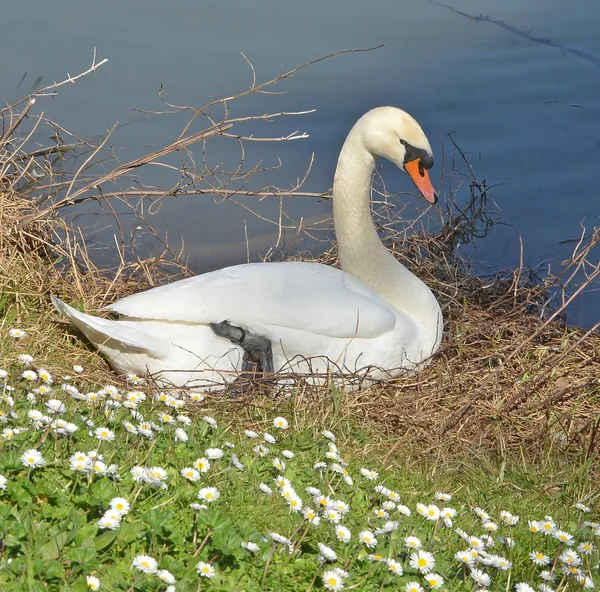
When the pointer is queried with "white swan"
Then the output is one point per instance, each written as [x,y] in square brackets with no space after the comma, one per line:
[375,316]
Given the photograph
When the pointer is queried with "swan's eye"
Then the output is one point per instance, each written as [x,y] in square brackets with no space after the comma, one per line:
[421,169]
[403,142]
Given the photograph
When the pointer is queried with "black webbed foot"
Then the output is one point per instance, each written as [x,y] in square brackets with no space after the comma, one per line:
[257,349]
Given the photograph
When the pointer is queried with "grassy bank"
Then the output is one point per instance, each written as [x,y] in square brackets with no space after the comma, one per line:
[106,482]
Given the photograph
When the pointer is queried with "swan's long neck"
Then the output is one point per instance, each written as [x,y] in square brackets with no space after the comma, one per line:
[361,251]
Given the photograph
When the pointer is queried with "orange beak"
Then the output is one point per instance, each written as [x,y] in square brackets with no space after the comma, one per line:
[420,178]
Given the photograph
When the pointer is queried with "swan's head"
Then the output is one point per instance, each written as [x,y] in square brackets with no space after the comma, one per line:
[395,135]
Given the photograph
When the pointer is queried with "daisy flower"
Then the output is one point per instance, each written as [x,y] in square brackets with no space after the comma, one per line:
[490,526]
[395,567]
[93,583]
[548,526]
[209,494]
[343,534]
[29,375]
[278,464]
[442,497]
[388,527]
[17,333]
[327,552]
[206,570]
[464,557]
[413,587]
[332,580]
[583,507]
[250,434]
[422,561]
[367,538]
[287,454]
[434,580]
[481,578]
[45,375]
[104,434]
[412,542]
[333,515]
[120,505]
[329,435]
[25,359]
[563,537]
[55,406]
[214,453]
[570,557]
[586,548]
[32,459]
[202,464]
[405,510]
[180,435]
[155,476]
[190,474]
[534,526]
[482,514]
[251,547]
[165,576]
[548,576]
[295,503]
[523,587]
[392,495]
[433,512]
[278,538]
[422,510]
[476,543]
[270,439]
[110,521]
[3,482]
[369,474]
[145,563]
[210,421]
[280,423]
[311,516]
[265,489]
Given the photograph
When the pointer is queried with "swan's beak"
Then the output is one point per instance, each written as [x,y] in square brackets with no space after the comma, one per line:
[418,173]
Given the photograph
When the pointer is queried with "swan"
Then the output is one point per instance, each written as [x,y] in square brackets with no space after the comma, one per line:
[372,317]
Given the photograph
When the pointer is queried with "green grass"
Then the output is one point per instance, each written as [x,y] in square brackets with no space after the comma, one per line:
[49,516]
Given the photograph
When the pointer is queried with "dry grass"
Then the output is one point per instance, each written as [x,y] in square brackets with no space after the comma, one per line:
[511,375]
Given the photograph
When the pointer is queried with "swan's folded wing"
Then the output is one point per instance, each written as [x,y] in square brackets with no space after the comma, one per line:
[307,296]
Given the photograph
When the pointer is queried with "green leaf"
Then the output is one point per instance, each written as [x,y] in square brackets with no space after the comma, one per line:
[53,547]
[104,540]
[89,530]
[101,492]
[84,554]
[129,532]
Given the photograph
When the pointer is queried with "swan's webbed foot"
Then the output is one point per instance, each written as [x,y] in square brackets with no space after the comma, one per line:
[257,349]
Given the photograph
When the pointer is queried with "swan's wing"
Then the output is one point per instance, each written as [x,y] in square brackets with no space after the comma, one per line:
[307,296]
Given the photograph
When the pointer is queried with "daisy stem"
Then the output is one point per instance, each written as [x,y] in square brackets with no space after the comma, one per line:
[204,541]
[556,558]
[297,545]
[149,451]
[264,578]
[313,582]
[435,528]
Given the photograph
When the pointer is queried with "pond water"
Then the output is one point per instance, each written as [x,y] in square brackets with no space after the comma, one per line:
[520,91]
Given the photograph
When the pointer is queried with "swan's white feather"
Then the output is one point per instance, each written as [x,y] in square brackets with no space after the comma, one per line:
[298,295]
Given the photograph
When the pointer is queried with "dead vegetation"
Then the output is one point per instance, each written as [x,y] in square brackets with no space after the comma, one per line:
[511,373]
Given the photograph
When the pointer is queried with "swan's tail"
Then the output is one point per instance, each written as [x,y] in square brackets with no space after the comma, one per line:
[116,335]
